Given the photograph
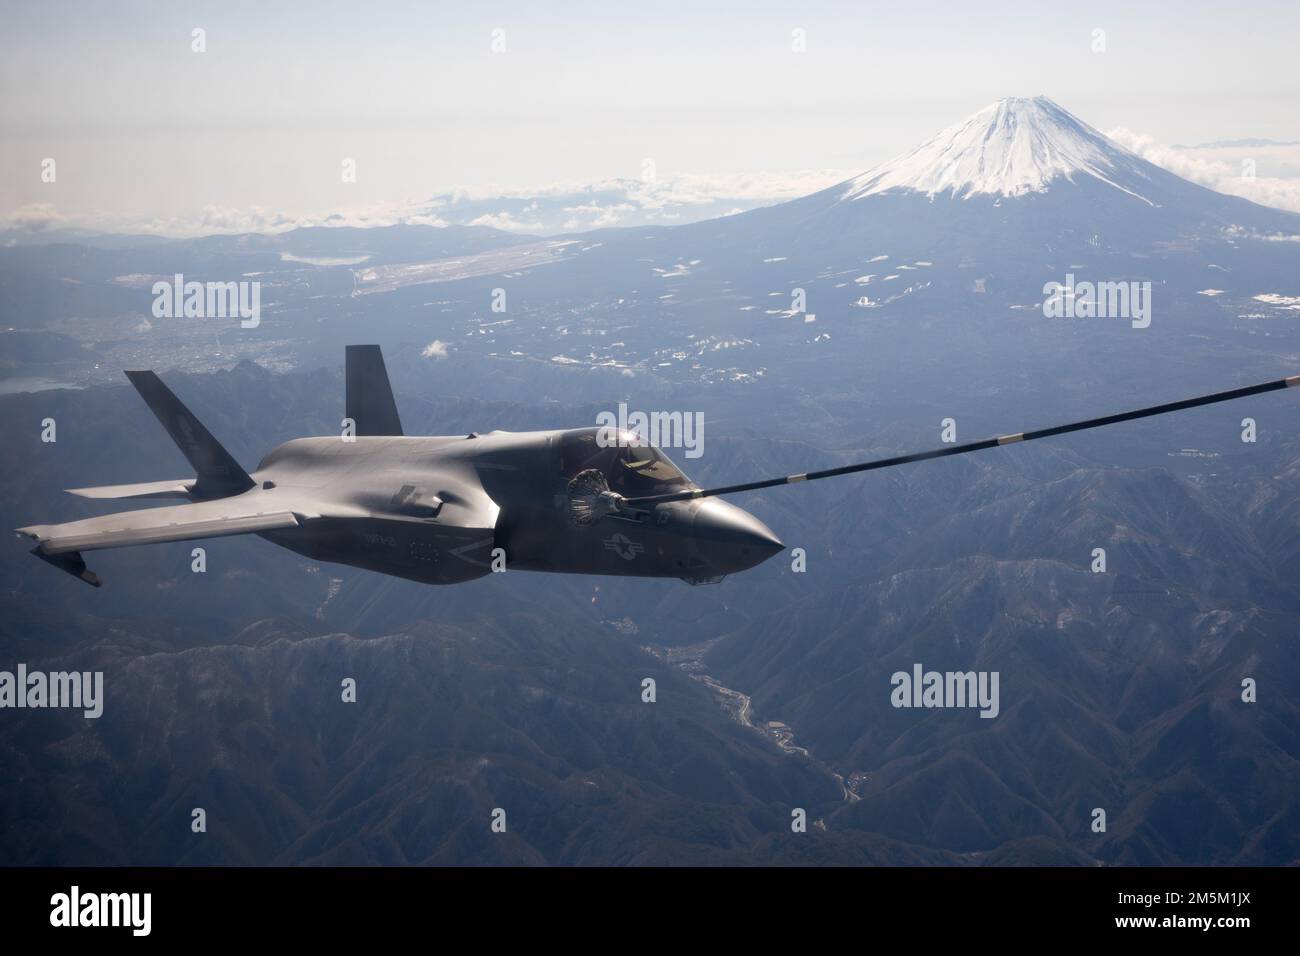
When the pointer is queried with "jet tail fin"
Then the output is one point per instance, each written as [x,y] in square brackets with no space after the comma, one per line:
[219,475]
[370,402]
[177,488]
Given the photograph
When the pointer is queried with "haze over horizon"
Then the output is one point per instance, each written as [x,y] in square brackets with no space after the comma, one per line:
[251,133]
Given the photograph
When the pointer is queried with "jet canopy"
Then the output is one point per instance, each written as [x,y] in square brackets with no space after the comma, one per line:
[631,467]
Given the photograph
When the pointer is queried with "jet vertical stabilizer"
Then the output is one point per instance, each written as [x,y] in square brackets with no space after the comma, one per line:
[369,396]
[219,475]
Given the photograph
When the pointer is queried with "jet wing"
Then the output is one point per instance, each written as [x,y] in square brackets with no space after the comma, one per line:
[205,519]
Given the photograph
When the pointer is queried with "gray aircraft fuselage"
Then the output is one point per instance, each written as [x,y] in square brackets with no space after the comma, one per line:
[434,509]
[444,510]
[415,507]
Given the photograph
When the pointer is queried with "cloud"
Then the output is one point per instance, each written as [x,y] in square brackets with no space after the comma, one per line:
[1206,168]
[598,216]
[33,217]
[554,207]
[506,222]
[233,220]
[765,186]
[435,349]
[222,220]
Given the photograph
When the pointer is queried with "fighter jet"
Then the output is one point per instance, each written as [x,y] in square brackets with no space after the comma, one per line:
[442,510]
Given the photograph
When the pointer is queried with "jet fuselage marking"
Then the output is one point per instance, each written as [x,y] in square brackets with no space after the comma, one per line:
[623,546]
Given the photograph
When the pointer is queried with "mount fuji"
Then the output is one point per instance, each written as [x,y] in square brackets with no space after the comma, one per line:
[1012,147]
[953,242]
[1023,177]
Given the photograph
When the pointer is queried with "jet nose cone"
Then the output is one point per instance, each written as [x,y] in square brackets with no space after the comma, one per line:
[731,539]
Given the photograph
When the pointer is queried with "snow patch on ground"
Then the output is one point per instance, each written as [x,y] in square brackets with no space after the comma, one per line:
[1281,301]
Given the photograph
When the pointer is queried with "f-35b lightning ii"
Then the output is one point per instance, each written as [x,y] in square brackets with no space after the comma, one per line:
[442,510]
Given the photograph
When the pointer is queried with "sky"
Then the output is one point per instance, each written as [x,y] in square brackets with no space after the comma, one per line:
[147,133]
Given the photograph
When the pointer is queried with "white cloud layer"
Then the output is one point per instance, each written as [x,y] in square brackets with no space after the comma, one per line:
[688,197]
[1225,169]
[551,208]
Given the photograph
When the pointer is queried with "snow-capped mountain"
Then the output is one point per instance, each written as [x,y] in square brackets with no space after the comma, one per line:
[957,240]
[1012,147]
[1021,186]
